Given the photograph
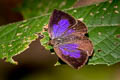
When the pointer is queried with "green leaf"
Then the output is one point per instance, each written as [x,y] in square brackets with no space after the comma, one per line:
[32,8]
[103,28]
[16,37]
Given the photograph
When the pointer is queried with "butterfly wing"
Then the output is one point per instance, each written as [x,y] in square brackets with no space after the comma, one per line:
[75,52]
[62,23]
[59,23]
[72,55]
[79,28]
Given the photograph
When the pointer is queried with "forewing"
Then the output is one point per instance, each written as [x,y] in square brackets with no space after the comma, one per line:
[59,23]
[78,28]
[72,55]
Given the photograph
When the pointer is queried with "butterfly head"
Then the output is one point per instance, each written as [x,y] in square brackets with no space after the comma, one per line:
[56,41]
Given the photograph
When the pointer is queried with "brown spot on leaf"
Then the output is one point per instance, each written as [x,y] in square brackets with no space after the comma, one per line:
[118,36]
[104,9]
[116,11]
[81,19]
[75,11]
[99,50]
[91,14]
[115,6]
[116,43]
[40,35]
[45,29]
[99,33]
[110,1]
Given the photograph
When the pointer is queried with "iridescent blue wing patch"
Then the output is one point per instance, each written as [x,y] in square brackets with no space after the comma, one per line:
[70,50]
[60,28]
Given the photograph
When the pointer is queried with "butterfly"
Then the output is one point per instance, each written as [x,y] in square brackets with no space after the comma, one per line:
[68,39]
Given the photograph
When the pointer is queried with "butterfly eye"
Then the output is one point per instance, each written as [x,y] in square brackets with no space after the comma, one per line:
[74,28]
[59,40]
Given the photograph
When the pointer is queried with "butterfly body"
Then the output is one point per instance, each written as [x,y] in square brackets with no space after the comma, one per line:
[64,40]
[69,40]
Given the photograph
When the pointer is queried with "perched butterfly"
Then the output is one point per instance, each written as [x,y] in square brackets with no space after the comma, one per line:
[69,40]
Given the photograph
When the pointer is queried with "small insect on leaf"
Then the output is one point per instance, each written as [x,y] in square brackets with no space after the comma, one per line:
[68,39]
